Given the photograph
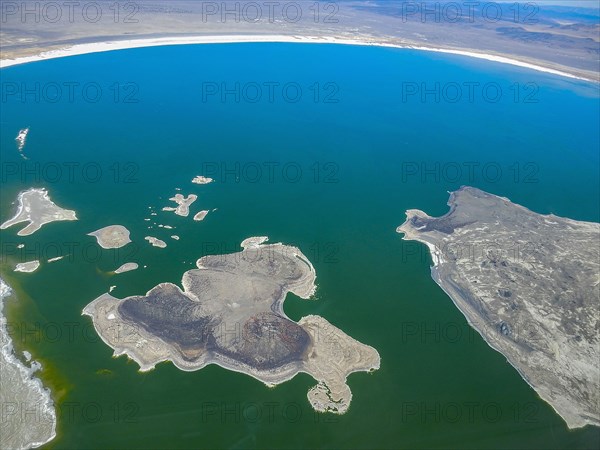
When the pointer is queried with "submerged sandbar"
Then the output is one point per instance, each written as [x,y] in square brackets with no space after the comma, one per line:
[243,292]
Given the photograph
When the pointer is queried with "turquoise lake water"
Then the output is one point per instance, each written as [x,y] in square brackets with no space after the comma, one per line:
[342,141]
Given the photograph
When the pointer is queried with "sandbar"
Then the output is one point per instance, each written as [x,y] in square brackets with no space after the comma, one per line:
[253,242]
[126,267]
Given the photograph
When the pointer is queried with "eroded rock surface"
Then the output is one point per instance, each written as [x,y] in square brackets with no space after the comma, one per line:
[230,313]
[529,284]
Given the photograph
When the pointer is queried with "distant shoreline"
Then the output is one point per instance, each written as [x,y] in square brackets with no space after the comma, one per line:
[98,47]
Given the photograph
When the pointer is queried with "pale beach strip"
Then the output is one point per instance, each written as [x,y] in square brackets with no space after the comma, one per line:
[81,49]
[28,378]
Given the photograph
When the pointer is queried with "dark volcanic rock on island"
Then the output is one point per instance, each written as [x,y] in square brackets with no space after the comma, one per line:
[529,284]
[265,340]
[230,313]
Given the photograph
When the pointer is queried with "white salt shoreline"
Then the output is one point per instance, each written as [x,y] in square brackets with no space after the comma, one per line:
[27,376]
[81,49]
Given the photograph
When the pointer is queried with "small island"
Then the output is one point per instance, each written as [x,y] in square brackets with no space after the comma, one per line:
[112,236]
[201,215]
[21,140]
[202,180]
[156,242]
[528,283]
[36,208]
[27,267]
[230,313]
[183,204]
[127,267]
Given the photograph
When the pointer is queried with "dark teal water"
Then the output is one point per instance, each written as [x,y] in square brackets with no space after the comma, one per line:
[344,166]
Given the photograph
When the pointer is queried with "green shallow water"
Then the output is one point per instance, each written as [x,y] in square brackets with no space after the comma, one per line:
[439,385]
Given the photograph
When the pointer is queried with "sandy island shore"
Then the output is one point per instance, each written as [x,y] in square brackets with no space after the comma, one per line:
[81,49]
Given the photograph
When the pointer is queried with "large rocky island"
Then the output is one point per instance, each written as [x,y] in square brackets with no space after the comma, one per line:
[230,313]
[529,284]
